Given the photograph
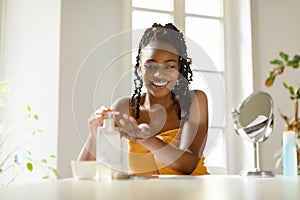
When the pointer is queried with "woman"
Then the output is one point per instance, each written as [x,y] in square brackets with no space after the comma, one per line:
[166,126]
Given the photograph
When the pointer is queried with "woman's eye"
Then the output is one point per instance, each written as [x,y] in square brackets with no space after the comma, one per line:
[150,67]
[156,67]
[168,67]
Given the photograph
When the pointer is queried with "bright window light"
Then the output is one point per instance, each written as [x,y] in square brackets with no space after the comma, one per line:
[166,5]
[207,33]
[204,7]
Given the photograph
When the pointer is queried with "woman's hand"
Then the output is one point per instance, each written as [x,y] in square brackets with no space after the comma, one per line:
[88,152]
[130,130]
[96,120]
[139,133]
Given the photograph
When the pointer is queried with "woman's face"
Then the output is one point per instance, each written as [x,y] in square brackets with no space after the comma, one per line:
[159,68]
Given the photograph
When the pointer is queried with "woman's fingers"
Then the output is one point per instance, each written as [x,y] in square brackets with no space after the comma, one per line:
[129,126]
[122,123]
[102,111]
[99,114]
[146,130]
[132,138]
[96,119]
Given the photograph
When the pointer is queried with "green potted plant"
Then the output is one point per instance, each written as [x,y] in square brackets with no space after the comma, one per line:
[291,123]
[17,159]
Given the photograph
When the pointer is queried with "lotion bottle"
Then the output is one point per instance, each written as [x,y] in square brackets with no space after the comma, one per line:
[289,154]
[109,148]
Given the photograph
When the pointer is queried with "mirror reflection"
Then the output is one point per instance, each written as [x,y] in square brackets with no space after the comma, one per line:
[253,121]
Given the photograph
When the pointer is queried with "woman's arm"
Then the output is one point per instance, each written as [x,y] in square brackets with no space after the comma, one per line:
[193,138]
[194,132]
[88,152]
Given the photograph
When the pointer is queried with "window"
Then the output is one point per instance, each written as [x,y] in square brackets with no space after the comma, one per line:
[202,22]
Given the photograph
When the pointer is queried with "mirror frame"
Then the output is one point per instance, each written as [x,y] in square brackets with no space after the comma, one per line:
[267,126]
[239,128]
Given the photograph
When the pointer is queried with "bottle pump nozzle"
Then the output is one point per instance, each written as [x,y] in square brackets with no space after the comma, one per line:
[110,114]
[108,119]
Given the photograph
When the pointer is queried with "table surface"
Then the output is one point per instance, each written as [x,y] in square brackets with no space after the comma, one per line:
[229,187]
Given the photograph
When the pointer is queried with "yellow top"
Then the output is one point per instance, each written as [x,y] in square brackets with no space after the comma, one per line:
[142,161]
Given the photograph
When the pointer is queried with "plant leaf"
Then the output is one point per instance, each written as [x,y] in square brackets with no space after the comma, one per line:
[297,58]
[293,64]
[28,108]
[292,90]
[276,62]
[285,85]
[284,56]
[52,156]
[269,82]
[2,89]
[36,117]
[55,172]
[44,160]
[29,166]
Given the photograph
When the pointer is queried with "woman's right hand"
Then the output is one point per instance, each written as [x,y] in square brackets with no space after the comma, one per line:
[88,152]
[96,120]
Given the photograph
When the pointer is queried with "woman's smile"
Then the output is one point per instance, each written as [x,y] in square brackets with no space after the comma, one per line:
[159,84]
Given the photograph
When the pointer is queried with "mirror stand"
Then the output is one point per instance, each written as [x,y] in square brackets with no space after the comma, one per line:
[256,171]
[253,121]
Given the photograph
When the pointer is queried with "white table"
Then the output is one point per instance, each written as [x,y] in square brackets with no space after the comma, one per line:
[214,187]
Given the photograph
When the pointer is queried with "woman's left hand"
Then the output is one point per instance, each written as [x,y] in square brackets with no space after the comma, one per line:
[132,131]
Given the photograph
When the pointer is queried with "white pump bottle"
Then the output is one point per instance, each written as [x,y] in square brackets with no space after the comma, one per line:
[110,150]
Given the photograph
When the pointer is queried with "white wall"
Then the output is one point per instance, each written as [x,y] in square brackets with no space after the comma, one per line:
[87,40]
[275,25]
[30,59]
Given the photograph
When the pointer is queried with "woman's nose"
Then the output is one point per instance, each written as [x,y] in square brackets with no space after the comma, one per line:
[159,72]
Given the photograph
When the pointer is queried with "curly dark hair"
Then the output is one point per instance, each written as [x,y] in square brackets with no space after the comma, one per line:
[180,93]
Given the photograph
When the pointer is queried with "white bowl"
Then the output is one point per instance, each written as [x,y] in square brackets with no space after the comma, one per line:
[83,169]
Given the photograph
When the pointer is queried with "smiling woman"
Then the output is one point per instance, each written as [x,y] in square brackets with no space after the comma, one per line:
[166,127]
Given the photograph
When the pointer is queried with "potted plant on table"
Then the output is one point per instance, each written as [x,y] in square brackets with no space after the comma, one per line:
[291,123]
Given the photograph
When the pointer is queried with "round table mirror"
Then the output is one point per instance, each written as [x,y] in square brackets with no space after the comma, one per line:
[253,121]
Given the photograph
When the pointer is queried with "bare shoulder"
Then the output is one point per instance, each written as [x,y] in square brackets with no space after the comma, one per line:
[200,104]
[198,95]
[121,104]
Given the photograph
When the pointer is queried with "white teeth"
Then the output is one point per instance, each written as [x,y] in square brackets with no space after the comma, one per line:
[160,83]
